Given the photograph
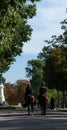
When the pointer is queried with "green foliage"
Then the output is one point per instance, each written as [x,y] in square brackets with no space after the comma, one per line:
[34,71]
[54,56]
[55,69]
[54,60]
[54,93]
[14,29]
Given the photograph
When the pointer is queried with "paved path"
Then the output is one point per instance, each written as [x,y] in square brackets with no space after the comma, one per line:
[51,121]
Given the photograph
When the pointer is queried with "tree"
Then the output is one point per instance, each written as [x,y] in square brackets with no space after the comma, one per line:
[55,69]
[34,71]
[15,93]
[10,94]
[55,58]
[20,86]
[14,29]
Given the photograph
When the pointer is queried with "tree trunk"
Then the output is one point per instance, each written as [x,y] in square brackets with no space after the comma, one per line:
[58,98]
[63,98]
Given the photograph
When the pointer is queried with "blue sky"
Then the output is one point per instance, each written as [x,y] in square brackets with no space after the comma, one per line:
[45,24]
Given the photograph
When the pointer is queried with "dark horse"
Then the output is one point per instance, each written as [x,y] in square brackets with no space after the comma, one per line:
[29,99]
[42,99]
[29,103]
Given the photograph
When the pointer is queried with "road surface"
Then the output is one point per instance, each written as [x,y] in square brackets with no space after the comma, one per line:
[50,121]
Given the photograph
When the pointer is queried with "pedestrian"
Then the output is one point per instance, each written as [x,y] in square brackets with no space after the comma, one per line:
[29,99]
[42,99]
[52,103]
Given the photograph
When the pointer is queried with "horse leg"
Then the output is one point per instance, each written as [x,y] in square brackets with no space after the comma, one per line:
[32,108]
[28,109]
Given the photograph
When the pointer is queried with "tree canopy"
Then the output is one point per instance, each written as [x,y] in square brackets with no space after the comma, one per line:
[54,60]
[14,29]
[34,71]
